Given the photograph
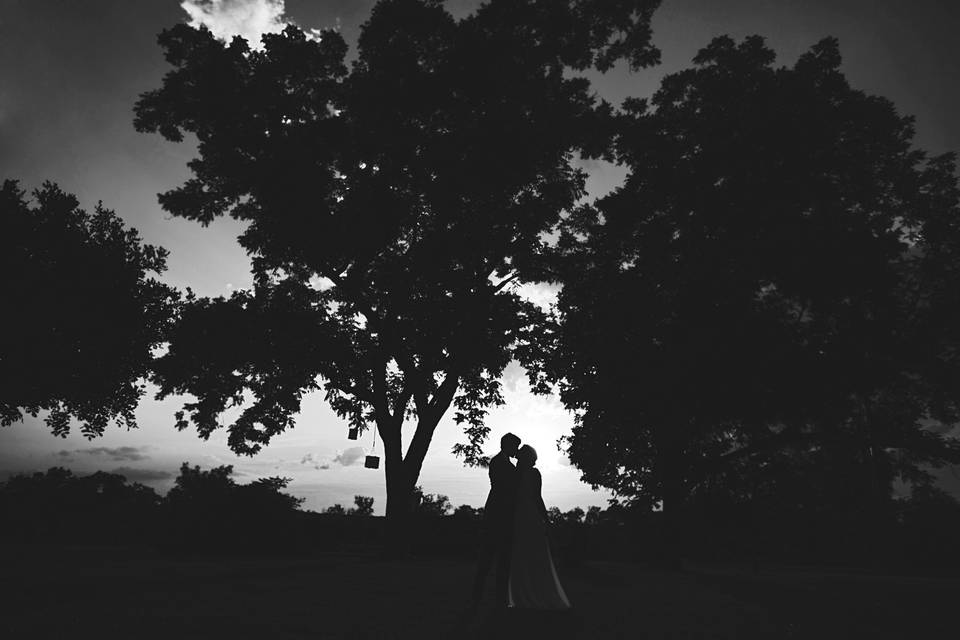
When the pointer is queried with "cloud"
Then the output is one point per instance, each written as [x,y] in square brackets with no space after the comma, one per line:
[117,454]
[314,462]
[349,456]
[249,19]
[541,294]
[66,456]
[142,475]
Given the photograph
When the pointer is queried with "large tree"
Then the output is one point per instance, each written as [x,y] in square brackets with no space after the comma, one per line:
[774,284]
[389,208]
[82,315]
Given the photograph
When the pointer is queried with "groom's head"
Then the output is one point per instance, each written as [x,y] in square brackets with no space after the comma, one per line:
[509,444]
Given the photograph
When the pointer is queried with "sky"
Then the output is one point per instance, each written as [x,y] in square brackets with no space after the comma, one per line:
[70,73]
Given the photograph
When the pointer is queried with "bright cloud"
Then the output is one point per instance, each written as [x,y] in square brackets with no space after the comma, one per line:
[349,456]
[314,461]
[135,474]
[249,19]
[119,454]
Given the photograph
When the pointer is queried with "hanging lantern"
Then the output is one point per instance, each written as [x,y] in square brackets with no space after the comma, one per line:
[373,462]
[353,433]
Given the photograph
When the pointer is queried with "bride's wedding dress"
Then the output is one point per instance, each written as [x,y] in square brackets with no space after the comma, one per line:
[533,578]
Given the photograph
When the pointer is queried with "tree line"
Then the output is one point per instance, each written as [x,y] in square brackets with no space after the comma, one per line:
[204,509]
[208,513]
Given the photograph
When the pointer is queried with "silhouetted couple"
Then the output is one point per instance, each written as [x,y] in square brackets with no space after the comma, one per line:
[514,534]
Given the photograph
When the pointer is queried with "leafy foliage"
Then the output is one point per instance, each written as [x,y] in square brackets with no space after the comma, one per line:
[468,513]
[364,506]
[207,511]
[389,207]
[83,314]
[58,506]
[770,300]
[199,491]
[429,504]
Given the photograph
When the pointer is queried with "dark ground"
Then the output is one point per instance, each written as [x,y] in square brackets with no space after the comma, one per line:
[84,592]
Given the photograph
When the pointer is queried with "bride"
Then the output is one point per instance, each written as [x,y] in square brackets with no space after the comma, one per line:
[533,579]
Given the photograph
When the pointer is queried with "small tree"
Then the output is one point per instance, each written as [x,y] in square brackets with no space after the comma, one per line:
[196,489]
[594,516]
[208,509]
[574,516]
[429,504]
[466,512]
[554,515]
[389,208]
[83,315]
[58,506]
[265,495]
[364,506]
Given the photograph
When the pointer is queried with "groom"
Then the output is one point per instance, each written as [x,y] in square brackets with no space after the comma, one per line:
[498,512]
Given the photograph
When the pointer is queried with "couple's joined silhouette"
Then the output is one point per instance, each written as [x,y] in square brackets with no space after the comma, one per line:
[514,534]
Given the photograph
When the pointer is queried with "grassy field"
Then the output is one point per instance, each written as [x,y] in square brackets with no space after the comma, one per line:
[132,594]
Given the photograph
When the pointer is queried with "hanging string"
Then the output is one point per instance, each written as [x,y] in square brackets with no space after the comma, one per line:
[374,439]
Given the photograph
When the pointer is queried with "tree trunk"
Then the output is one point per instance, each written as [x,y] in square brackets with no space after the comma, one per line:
[398,539]
[402,474]
[402,471]
[877,489]
[399,490]
[672,550]
[672,505]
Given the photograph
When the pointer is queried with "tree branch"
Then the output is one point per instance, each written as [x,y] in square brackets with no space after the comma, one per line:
[506,281]
[444,396]
[380,404]
[355,391]
[390,344]
[787,436]
[400,408]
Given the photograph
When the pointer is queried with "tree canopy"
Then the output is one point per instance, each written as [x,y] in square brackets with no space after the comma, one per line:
[214,493]
[774,285]
[389,207]
[83,313]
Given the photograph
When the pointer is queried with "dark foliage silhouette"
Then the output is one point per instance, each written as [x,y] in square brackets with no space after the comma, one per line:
[429,504]
[210,514]
[468,513]
[364,506]
[766,311]
[83,314]
[390,207]
[206,511]
[57,506]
